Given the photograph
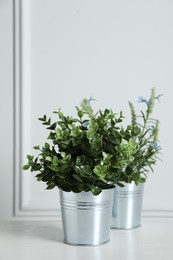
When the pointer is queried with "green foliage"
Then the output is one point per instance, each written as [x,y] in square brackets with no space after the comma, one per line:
[86,153]
[92,151]
[144,131]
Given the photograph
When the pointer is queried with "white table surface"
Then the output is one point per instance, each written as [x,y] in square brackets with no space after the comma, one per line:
[43,240]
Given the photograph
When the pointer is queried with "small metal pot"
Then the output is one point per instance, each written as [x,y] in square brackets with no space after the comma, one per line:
[127,206]
[86,218]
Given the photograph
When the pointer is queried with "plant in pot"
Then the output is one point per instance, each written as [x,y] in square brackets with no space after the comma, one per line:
[127,204]
[84,158]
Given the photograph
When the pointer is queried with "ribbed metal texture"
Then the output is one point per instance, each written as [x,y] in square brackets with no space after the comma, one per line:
[86,218]
[127,206]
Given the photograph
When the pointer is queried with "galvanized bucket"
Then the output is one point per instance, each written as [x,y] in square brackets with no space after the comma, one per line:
[127,206]
[86,218]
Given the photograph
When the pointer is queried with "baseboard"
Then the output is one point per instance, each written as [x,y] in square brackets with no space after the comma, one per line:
[157,213]
[56,215]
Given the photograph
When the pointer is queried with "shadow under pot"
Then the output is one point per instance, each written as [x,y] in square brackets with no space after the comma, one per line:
[86,218]
[127,206]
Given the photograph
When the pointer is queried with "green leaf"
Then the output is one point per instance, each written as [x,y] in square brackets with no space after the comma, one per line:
[142,180]
[39,177]
[129,170]
[53,167]
[42,118]
[59,133]
[47,122]
[55,160]
[37,147]
[52,127]
[48,158]
[52,136]
[51,186]
[26,167]
[60,114]
[87,108]
[120,184]
[47,146]
[30,157]
[96,190]
[132,143]
[77,177]
[80,113]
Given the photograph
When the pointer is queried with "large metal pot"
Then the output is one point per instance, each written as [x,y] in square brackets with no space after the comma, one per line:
[127,206]
[86,218]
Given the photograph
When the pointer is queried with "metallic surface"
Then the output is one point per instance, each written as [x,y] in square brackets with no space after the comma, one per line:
[127,206]
[86,218]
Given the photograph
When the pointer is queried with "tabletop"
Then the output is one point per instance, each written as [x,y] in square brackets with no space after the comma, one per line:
[43,240]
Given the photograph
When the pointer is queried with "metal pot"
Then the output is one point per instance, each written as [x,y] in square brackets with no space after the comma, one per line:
[86,218]
[127,206]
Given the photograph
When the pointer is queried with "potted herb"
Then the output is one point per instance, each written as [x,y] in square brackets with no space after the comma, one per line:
[83,157]
[144,130]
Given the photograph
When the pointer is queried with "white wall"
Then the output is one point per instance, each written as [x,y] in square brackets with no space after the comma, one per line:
[112,50]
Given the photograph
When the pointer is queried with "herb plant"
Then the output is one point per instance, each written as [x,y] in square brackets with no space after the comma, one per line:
[144,130]
[84,153]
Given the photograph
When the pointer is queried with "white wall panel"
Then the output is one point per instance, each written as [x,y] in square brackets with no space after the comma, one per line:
[112,50]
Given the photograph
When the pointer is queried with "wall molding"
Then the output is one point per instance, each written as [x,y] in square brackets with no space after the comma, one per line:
[17,104]
[22,207]
[21,211]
